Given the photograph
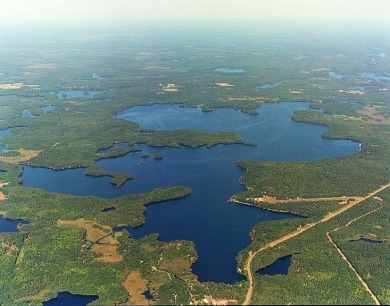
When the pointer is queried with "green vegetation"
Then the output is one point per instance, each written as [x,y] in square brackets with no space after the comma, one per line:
[44,258]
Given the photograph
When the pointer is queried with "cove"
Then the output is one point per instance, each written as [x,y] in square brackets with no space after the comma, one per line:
[10,225]
[4,133]
[66,298]
[219,229]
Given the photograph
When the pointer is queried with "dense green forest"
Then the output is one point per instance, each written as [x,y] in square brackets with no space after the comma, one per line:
[69,244]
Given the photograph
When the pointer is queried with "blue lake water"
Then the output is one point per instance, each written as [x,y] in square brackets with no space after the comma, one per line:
[48,108]
[279,267]
[4,133]
[10,225]
[365,239]
[362,75]
[230,70]
[218,229]
[375,77]
[28,114]
[68,299]
[70,94]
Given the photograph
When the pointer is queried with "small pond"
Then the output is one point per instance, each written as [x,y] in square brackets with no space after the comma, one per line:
[279,267]
[368,240]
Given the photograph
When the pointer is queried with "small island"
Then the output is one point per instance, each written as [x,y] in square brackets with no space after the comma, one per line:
[158,156]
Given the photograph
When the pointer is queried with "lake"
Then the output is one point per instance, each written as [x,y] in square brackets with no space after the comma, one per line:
[10,225]
[4,133]
[218,228]
[66,298]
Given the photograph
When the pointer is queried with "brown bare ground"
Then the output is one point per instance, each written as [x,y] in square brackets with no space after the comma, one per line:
[136,286]
[9,248]
[3,184]
[104,241]
[25,155]
[11,86]
[224,84]
[2,196]
[372,114]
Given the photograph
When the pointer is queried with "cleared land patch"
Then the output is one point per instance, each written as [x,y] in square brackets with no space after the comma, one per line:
[23,156]
[373,115]
[136,286]
[104,241]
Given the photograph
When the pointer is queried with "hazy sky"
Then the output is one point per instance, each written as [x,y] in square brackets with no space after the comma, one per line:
[25,11]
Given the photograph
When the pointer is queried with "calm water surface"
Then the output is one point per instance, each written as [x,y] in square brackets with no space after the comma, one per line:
[68,299]
[10,225]
[218,229]
[279,267]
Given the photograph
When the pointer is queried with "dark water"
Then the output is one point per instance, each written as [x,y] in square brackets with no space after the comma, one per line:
[148,295]
[280,266]
[364,239]
[68,299]
[4,133]
[108,209]
[218,229]
[10,225]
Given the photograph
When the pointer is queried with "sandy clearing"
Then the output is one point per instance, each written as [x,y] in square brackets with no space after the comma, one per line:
[273,200]
[373,114]
[104,241]
[25,155]
[8,86]
[136,286]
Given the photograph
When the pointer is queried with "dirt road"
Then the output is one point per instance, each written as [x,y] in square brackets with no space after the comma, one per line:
[248,265]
